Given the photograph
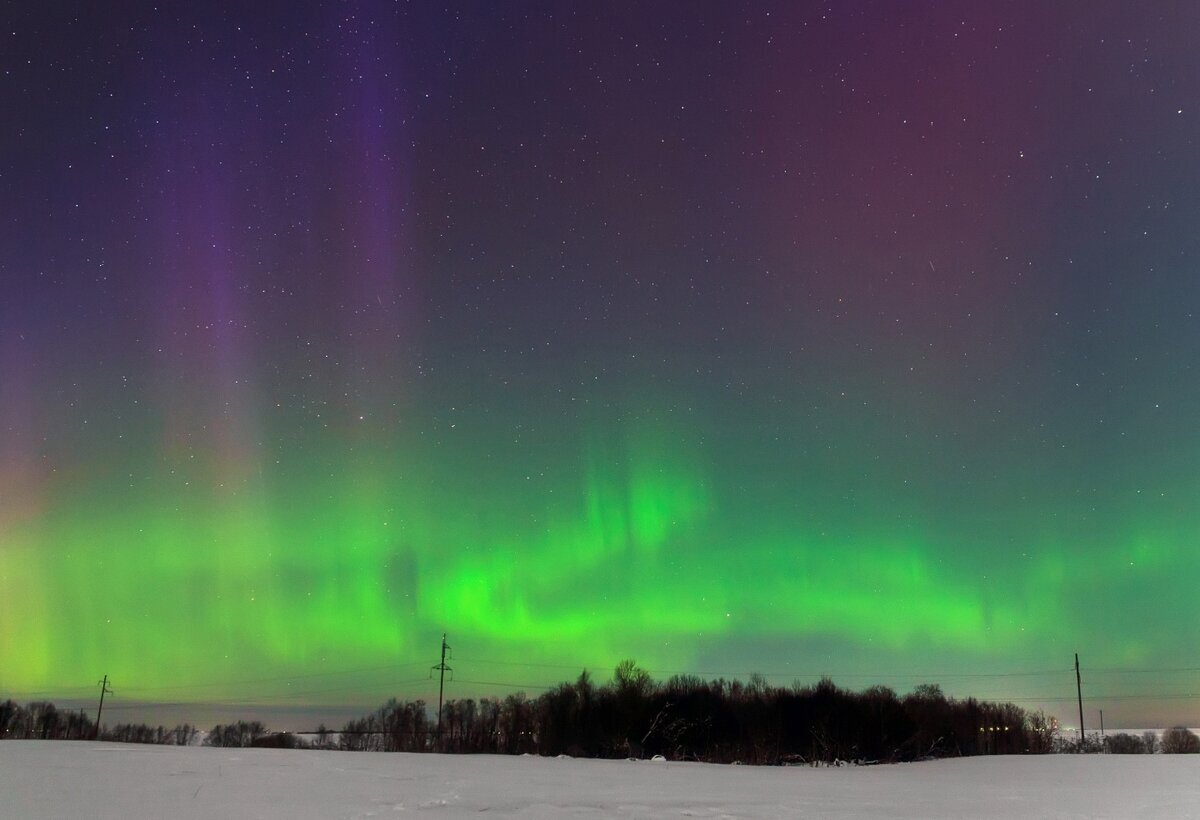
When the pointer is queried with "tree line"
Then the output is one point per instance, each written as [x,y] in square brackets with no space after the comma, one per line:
[720,721]
[725,721]
[681,718]
[42,720]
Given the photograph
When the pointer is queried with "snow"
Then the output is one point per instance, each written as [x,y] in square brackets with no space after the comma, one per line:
[63,779]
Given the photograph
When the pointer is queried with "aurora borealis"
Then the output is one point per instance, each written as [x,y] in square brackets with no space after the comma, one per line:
[853,338]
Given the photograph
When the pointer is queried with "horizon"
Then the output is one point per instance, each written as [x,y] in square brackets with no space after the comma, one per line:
[853,339]
[286,714]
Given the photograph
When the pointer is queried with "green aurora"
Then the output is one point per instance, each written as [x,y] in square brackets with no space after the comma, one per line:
[632,542]
[855,339]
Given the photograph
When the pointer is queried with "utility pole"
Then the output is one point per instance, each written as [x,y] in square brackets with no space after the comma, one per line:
[103,691]
[442,669]
[1079,692]
[1101,724]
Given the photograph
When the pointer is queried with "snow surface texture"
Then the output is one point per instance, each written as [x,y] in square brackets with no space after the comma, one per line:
[99,780]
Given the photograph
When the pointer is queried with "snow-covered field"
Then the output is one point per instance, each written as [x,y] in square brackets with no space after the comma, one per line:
[100,780]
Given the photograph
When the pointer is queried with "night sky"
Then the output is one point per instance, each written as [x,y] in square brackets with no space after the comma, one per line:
[855,338]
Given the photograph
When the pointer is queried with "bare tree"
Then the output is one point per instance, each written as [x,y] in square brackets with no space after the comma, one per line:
[1180,740]
[1150,741]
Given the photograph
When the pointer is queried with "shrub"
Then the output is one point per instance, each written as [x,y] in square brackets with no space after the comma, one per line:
[1179,740]
[235,735]
[1150,741]
[1123,744]
[278,740]
[1041,733]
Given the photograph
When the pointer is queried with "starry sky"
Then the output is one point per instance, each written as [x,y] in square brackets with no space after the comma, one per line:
[852,338]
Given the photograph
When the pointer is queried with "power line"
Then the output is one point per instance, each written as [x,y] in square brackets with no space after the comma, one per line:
[67,691]
[369,689]
[1147,671]
[84,692]
[791,674]
[308,676]
[75,693]
[268,700]
[1126,696]
[510,685]
[265,699]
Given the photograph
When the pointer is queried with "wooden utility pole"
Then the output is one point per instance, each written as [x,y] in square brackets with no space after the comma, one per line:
[1101,724]
[103,691]
[1079,693]
[442,669]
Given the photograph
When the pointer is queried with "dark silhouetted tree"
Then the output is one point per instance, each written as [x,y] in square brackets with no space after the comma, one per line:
[1180,740]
